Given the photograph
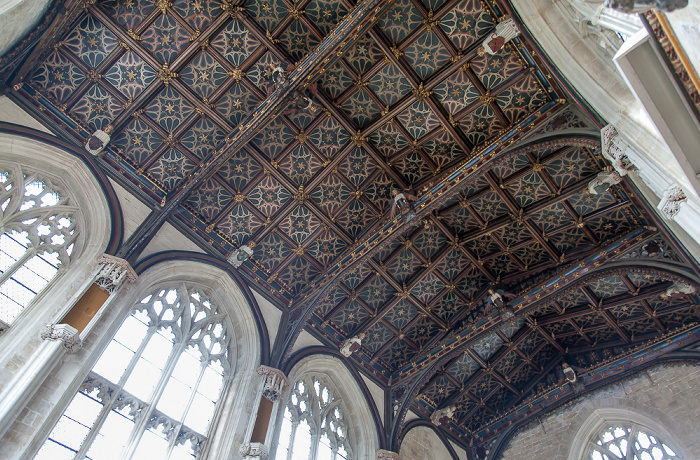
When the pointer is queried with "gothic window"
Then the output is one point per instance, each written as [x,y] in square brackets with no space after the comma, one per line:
[39,232]
[313,427]
[628,443]
[153,392]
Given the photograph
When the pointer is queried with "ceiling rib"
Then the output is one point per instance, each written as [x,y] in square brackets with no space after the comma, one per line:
[250,126]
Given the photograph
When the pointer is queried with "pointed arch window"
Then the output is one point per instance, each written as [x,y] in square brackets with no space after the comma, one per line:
[629,443]
[154,390]
[313,427]
[38,236]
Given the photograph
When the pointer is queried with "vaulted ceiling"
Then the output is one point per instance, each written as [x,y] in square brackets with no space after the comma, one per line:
[498,156]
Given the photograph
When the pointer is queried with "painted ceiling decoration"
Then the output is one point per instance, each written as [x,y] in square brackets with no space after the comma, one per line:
[496,152]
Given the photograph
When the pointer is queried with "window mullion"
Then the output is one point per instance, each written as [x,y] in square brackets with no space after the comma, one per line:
[180,423]
[315,440]
[290,449]
[194,391]
[7,274]
[95,428]
[118,390]
[140,427]
[176,430]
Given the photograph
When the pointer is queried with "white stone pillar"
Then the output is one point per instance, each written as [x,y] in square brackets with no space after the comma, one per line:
[272,384]
[58,339]
[381,454]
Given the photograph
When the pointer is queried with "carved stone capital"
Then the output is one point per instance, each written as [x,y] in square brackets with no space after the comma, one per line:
[113,273]
[64,333]
[254,451]
[274,382]
[616,149]
[381,453]
[671,202]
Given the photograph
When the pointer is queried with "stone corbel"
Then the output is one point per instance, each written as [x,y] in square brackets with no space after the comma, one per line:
[113,273]
[63,333]
[603,181]
[671,202]
[505,32]
[254,451]
[616,150]
[351,345]
[443,416]
[381,453]
[275,382]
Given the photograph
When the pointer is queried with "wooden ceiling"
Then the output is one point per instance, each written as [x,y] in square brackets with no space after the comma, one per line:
[497,154]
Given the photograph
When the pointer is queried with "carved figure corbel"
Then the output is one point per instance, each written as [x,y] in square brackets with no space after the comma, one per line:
[443,416]
[240,255]
[351,345]
[670,204]
[678,290]
[505,32]
[603,181]
[636,6]
[99,140]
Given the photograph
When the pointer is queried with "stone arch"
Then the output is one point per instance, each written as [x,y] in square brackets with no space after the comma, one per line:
[240,385]
[155,259]
[428,434]
[591,70]
[364,441]
[98,222]
[602,417]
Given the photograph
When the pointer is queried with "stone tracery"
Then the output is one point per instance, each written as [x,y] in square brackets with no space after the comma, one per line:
[314,422]
[160,400]
[38,221]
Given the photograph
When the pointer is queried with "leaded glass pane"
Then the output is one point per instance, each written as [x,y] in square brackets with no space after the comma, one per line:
[629,442]
[165,365]
[39,234]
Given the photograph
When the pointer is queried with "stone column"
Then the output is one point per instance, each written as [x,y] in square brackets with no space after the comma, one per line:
[381,454]
[261,426]
[59,339]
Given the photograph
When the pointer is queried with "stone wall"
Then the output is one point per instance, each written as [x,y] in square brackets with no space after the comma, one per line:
[668,395]
[421,443]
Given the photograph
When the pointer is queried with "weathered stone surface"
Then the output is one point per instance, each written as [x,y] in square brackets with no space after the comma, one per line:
[670,395]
